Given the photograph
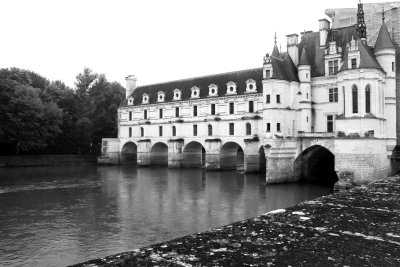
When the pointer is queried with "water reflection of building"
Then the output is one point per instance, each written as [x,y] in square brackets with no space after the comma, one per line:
[326,106]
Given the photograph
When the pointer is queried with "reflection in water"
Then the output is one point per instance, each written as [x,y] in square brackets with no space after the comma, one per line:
[65,215]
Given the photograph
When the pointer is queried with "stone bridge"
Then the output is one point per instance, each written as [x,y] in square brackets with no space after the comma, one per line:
[316,157]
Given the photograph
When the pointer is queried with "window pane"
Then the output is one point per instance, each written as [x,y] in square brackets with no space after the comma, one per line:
[251,106]
[355,99]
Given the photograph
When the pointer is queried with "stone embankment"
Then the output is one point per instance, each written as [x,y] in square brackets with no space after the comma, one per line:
[46,160]
[360,227]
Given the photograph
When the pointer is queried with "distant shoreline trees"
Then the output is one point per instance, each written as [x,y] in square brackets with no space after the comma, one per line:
[38,116]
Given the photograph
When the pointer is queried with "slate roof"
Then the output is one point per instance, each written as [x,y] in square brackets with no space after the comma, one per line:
[315,54]
[383,41]
[185,85]
[367,58]
[303,58]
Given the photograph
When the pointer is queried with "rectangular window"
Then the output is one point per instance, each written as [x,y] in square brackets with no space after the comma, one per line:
[267,74]
[161,113]
[160,130]
[268,127]
[141,131]
[251,106]
[333,95]
[212,109]
[278,127]
[392,66]
[176,111]
[333,67]
[329,123]
[278,99]
[268,100]
[145,114]
[130,115]
[194,111]
[194,130]
[231,108]
[173,131]
[231,129]
[353,63]
[130,131]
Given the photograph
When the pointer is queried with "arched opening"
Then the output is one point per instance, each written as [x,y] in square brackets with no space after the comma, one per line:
[159,155]
[194,155]
[262,161]
[129,153]
[368,99]
[316,164]
[354,92]
[232,156]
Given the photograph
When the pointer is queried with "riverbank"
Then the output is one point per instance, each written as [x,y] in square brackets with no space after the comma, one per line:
[46,160]
[357,227]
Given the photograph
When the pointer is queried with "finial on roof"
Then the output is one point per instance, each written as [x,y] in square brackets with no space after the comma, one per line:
[383,14]
[361,26]
[275,37]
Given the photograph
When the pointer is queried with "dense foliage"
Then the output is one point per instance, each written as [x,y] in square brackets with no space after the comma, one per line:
[38,116]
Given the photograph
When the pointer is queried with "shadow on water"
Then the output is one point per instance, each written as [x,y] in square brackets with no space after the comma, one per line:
[63,215]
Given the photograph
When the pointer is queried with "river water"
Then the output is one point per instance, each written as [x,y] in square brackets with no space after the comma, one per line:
[55,216]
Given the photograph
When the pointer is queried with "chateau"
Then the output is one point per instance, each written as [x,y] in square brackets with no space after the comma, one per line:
[322,111]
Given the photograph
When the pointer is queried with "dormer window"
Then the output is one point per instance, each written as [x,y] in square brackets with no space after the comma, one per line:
[353,63]
[130,100]
[267,73]
[251,86]
[212,90]
[145,99]
[231,88]
[177,94]
[195,92]
[160,96]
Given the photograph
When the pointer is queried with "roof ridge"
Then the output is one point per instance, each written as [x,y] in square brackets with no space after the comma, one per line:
[199,77]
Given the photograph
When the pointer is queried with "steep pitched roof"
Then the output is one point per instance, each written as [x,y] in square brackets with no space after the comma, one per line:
[303,58]
[315,54]
[383,41]
[185,85]
[367,59]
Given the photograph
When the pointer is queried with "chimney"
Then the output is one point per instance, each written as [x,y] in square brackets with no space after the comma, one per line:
[324,26]
[131,84]
[293,47]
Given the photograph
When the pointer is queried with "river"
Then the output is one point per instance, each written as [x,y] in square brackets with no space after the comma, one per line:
[55,216]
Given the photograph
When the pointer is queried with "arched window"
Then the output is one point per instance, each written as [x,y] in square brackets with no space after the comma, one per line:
[354,92]
[173,131]
[368,99]
[248,129]
[210,130]
[141,131]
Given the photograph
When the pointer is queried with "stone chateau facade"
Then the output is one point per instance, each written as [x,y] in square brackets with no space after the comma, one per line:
[322,111]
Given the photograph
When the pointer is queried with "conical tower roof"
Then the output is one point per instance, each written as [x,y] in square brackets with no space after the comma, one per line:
[275,52]
[383,41]
[303,58]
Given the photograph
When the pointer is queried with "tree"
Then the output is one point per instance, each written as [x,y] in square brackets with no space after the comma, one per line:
[31,125]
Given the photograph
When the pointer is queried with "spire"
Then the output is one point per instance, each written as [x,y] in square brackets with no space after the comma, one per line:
[275,51]
[383,14]
[303,58]
[361,27]
[383,41]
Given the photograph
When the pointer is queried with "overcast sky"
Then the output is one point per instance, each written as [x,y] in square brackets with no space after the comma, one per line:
[157,40]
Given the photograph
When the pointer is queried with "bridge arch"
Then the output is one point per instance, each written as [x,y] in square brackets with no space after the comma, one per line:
[129,153]
[316,164]
[231,156]
[194,155]
[159,154]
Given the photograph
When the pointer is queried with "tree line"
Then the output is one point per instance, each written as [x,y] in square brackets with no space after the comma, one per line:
[39,116]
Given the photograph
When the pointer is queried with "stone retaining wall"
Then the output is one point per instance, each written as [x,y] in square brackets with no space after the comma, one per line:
[46,160]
